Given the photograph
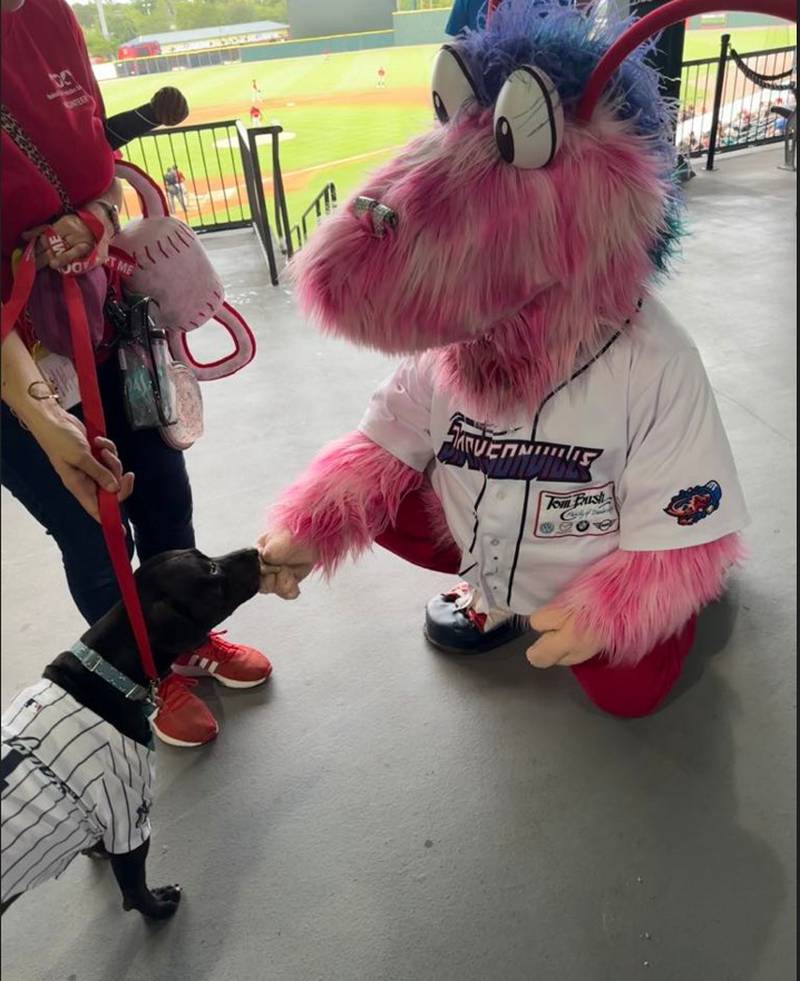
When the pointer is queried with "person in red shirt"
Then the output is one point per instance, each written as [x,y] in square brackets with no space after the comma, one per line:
[53,107]
[255,115]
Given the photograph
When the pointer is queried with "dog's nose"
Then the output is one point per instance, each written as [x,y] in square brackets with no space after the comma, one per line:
[379,215]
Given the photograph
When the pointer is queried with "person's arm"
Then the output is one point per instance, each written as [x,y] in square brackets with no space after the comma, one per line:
[61,435]
[168,107]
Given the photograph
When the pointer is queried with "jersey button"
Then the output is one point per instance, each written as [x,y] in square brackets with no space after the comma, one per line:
[495,541]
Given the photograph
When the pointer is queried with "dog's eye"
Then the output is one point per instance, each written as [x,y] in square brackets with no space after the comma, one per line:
[528,119]
[214,569]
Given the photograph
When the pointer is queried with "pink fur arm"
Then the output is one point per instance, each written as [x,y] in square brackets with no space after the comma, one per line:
[634,600]
[350,493]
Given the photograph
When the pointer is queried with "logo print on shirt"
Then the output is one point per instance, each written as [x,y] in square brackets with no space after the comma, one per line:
[62,79]
[695,503]
[479,447]
[586,513]
[65,86]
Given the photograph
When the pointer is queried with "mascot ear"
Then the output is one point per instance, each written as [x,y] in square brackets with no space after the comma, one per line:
[528,119]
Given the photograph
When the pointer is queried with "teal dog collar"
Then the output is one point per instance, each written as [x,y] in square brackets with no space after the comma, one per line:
[92,661]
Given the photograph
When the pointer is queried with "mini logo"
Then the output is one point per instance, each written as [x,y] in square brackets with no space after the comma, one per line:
[695,503]
[62,79]
[547,528]
[604,525]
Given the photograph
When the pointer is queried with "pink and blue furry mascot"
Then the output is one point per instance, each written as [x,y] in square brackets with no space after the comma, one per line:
[551,437]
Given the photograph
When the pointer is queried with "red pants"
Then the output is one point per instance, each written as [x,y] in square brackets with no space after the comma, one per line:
[620,690]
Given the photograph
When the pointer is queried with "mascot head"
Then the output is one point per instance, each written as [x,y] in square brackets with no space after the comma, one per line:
[530,220]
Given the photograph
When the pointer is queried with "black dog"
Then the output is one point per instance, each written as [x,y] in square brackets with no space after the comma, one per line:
[76,750]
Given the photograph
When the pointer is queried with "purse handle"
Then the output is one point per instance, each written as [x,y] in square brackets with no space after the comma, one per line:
[12,127]
[152,199]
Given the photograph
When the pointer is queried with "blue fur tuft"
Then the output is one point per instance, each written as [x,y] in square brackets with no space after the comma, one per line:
[567,43]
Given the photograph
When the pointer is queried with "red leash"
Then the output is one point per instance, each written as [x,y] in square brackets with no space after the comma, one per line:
[93,417]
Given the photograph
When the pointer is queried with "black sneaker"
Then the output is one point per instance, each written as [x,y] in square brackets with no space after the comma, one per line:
[453,624]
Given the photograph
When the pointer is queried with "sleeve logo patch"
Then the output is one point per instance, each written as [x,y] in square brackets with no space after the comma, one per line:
[695,503]
[589,512]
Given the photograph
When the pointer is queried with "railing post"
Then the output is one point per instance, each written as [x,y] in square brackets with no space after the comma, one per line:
[718,92]
[281,211]
[255,195]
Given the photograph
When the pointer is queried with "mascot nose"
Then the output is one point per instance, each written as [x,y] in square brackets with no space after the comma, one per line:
[380,216]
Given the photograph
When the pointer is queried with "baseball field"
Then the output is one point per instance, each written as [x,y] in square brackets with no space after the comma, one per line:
[338,122]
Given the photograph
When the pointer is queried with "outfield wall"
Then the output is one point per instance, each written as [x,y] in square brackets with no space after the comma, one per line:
[318,45]
[420,26]
[734,19]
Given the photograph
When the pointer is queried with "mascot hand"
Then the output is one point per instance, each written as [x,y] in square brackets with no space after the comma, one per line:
[560,642]
[284,563]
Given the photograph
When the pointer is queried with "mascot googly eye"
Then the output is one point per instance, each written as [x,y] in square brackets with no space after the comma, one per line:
[528,119]
[451,84]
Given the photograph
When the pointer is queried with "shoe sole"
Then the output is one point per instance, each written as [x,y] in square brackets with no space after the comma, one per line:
[182,744]
[465,652]
[190,671]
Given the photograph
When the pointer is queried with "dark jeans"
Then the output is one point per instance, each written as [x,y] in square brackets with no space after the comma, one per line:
[160,508]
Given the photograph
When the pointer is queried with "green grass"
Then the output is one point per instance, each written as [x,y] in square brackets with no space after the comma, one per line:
[342,125]
[323,133]
[705,43]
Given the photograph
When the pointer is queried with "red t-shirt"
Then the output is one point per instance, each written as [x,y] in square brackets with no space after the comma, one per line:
[49,86]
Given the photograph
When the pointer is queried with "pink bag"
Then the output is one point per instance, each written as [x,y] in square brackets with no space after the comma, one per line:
[172,267]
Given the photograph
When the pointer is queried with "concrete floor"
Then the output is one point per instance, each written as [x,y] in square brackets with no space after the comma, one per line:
[379,812]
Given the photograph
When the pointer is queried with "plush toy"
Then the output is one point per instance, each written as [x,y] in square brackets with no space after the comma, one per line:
[552,436]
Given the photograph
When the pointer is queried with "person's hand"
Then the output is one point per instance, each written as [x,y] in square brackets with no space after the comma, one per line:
[169,107]
[63,438]
[77,238]
[560,641]
[284,563]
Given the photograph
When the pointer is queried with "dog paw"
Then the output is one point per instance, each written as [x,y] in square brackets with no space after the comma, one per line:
[160,903]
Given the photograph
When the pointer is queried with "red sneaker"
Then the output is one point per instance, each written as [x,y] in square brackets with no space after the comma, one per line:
[182,719]
[233,665]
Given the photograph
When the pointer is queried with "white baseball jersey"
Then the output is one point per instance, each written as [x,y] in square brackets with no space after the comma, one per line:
[629,454]
[69,779]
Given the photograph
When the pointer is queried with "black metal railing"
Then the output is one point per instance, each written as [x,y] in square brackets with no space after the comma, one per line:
[249,143]
[323,204]
[208,190]
[213,178]
[728,102]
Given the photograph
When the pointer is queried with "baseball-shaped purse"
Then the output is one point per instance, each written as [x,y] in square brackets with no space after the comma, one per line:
[172,267]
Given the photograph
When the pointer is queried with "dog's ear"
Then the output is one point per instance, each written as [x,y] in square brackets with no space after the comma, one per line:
[171,632]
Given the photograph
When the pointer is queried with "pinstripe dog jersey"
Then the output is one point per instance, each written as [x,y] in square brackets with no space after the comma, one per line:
[629,454]
[69,779]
